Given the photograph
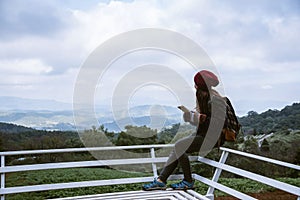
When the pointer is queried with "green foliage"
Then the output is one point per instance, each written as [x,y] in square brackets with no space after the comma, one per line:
[279,146]
[136,136]
[272,120]
[12,128]
[249,145]
[38,139]
[265,146]
[250,186]
[284,147]
[167,134]
[94,138]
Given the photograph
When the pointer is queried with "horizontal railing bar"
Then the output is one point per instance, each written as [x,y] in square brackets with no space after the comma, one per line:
[183,195]
[8,169]
[256,177]
[96,163]
[105,195]
[137,195]
[223,188]
[197,195]
[56,186]
[162,193]
[71,150]
[270,160]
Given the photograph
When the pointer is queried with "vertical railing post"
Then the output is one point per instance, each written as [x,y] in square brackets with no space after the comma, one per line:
[154,168]
[2,176]
[210,191]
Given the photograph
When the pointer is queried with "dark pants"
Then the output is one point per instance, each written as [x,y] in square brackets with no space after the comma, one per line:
[179,156]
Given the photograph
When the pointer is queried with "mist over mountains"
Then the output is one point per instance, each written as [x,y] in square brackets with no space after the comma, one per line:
[54,115]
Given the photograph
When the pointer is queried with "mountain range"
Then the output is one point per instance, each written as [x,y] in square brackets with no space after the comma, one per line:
[54,115]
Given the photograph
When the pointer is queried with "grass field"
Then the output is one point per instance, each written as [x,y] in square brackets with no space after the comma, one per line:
[85,174]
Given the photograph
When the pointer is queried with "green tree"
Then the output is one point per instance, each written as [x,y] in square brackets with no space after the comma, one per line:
[134,135]
[250,145]
[110,135]
[167,134]
[265,145]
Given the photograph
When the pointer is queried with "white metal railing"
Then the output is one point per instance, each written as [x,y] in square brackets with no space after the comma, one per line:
[259,178]
[153,160]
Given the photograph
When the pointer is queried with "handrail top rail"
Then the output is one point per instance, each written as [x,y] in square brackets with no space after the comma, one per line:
[84,149]
[111,148]
[94,163]
[262,158]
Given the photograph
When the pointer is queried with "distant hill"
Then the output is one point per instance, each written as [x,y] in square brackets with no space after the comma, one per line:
[13,128]
[272,120]
[42,120]
[15,137]
[58,116]
[64,120]
[159,122]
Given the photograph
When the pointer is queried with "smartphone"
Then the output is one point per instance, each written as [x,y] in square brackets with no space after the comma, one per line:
[183,109]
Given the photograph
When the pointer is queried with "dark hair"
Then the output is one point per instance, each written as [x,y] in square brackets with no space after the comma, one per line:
[203,97]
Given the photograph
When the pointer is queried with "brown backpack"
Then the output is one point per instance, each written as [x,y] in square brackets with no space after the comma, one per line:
[231,126]
[223,108]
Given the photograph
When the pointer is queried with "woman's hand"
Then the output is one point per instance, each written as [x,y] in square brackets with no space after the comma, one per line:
[194,118]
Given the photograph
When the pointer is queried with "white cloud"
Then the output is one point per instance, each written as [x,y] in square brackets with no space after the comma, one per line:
[267,87]
[24,66]
[254,45]
[106,20]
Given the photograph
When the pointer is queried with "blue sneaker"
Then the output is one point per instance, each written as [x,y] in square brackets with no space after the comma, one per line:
[183,185]
[155,185]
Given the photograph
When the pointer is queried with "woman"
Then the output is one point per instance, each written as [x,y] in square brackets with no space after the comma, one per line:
[204,81]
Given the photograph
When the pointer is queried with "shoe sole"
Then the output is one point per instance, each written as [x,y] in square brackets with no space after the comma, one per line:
[184,188]
[156,188]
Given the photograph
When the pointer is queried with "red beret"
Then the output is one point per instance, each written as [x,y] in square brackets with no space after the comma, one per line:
[205,79]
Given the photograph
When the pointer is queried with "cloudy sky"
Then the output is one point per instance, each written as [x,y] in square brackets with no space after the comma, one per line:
[254,46]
